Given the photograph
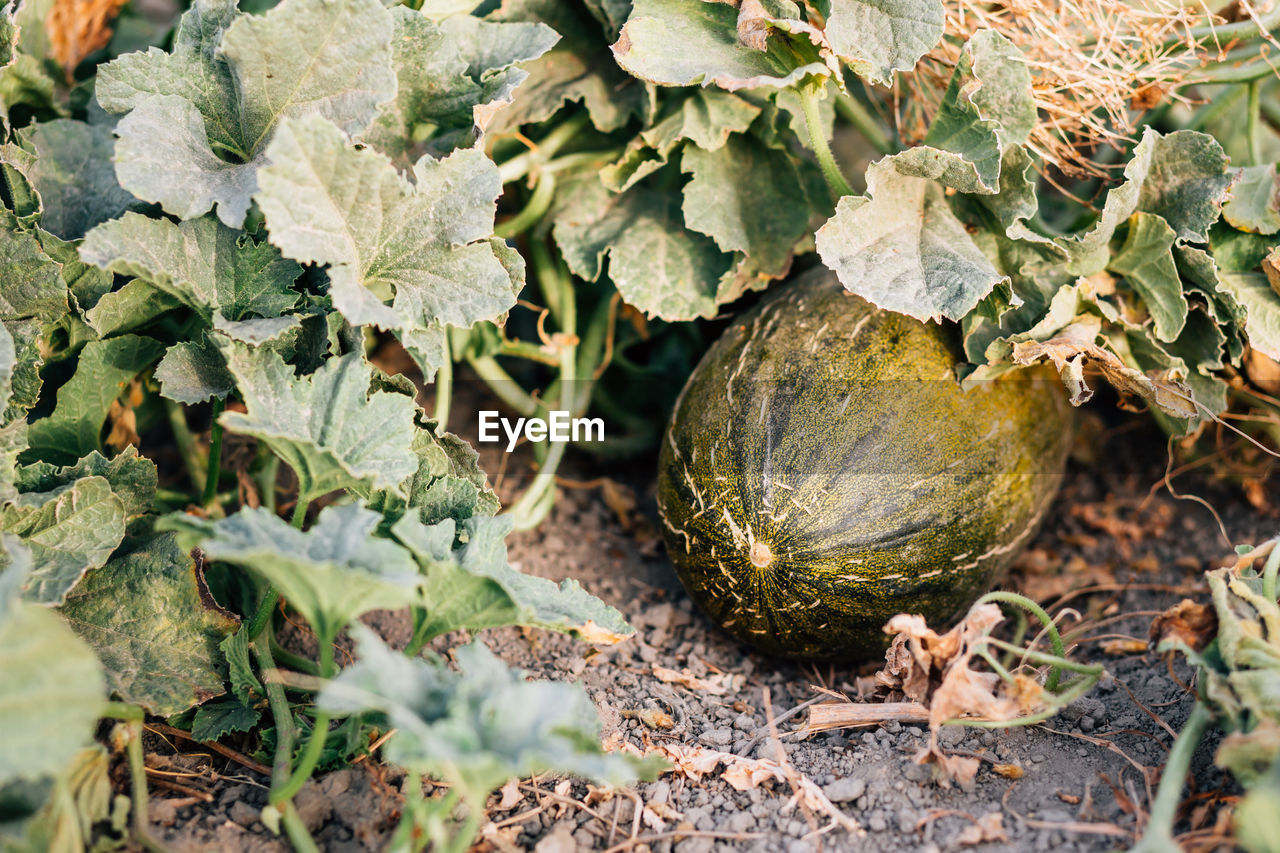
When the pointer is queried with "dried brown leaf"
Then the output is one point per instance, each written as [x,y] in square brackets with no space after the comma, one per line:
[1188,622]
[78,28]
[989,827]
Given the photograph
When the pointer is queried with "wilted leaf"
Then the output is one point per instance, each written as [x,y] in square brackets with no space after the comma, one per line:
[145,616]
[70,530]
[1187,622]
[329,427]
[104,370]
[332,573]
[1254,201]
[475,728]
[1262,305]
[1146,262]
[424,246]
[51,685]
[229,81]
[903,249]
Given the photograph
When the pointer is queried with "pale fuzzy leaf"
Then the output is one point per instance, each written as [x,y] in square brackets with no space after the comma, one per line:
[1001,86]
[903,249]
[879,37]
[751,198]
[657,265]
[154,626]
[331,574]
[475,728]
[229,81]
[69,530]
[132,308]
[70,168]
[423,246]
[1254,202]
[1146,262]
[216,271]
[1262,305]
[51,687]
[104,371]
[444,462]
[327,426]
[692,42]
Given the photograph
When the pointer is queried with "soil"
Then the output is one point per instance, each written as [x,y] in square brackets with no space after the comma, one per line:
[1085,777]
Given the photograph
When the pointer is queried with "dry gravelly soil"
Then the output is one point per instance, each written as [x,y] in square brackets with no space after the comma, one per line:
[1084,767]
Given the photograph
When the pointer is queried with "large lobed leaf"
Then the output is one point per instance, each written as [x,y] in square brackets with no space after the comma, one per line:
[199,119]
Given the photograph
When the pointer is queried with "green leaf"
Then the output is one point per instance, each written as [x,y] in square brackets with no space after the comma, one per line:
[476,728]
[224,277]
[105,369]
[879,37]
[903,248]
[453,78]
[578,68]
[68,163]
[33,287]
[1262,305]
[448,483]
[474,587]
[752,198]
[988,107]
[244,682]
[69,529]
[132,478]
[215,720]
[423,246]
[194,371]
[1254,201]
[154,626]
[1181,177]
[51,685]
[331,574]
[691,42]
[1146,262]
[707,118]
[199,119]
[329,427]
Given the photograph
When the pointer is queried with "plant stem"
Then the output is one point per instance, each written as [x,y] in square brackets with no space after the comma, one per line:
[522,164]
[444,387]
[533,505]
[193,458]
[1037,611]
[856,114]
[281,795]
[215,454]
[132,716]
[291,660]
[503,386]
[544,192]
[262,616]
[1158,836]
[286,728]
[1270,569]
[299,513]
[1253,130]
[818,142]
[296,830]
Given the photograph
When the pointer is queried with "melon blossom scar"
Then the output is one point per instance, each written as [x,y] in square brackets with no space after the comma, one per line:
[559,427]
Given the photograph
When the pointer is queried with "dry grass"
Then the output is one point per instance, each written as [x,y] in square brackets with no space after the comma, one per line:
[1096,66]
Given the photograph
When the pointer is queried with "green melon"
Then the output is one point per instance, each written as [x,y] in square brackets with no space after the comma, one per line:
[824,470]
